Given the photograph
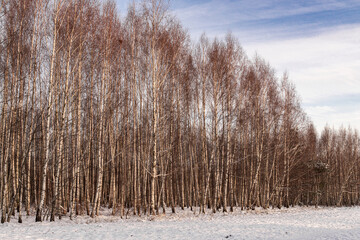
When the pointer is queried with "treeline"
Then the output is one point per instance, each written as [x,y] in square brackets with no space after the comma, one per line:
[126,113]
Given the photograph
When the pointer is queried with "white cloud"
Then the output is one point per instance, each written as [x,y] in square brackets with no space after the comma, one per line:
[336,118]
[320,110]
[320,66]
[323,67]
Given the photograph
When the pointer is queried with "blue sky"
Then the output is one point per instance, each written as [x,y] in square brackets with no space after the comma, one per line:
[316,41]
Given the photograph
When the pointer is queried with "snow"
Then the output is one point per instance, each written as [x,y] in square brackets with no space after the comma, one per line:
[292,223]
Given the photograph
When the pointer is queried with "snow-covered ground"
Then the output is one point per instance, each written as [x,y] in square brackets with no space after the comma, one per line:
[293,223]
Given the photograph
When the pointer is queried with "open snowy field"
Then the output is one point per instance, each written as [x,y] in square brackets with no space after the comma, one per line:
[293,223]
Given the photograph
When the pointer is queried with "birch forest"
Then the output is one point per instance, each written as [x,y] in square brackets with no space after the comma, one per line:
[99,110]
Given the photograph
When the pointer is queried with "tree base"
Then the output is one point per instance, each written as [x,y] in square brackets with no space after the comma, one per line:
[38,216]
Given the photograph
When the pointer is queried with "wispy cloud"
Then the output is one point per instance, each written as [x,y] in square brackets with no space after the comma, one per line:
[246,10]
[280,17]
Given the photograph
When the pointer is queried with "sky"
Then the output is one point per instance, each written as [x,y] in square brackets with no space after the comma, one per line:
[317,42]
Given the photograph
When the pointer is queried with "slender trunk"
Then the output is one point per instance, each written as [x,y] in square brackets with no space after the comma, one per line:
[97,197]
[48,123]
